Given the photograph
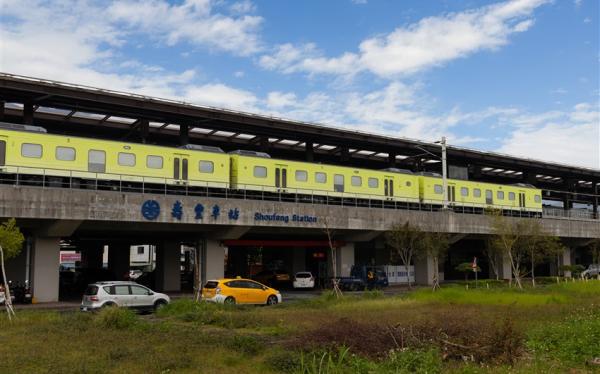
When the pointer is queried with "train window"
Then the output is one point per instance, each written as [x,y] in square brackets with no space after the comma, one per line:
[126,159]
[320,177]
[301,175]
[476,192]
[154,162]
[356,181]
[65,153]
[537,198]
[338,183]
[373,182]
[260,172]
[96,161]
[31,150]
[464,191]
[511,196]
[2,152]
[207,167]
[500,195]
[408,184]
[437,188]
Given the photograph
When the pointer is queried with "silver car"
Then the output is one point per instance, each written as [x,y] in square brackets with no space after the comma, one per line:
[123,294]
[591,272]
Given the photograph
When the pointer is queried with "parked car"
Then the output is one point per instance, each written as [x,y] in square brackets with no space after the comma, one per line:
[123,294]
[591,272]
[239,291]
[364,277]
[304,279]
[272,277]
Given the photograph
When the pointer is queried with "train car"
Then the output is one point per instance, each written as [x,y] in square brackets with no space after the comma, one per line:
[258,172]
[479,195]
[29,151]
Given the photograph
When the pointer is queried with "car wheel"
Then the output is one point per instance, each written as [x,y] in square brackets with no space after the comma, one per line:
[272,300]
[229,301]
[159,304]
[108,305]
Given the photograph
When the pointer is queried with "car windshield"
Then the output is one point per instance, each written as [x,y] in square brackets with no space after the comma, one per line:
[303,275]
[91,290]
[211,284]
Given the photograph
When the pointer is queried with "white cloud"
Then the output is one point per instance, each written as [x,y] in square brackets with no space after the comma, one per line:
[220,95]
[193,21]
[430,42]
[280,99]
[565,137]
[578,3]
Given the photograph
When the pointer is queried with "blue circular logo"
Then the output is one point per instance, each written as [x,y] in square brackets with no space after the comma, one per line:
[150,209]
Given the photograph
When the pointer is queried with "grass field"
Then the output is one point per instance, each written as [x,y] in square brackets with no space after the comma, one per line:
[553,328]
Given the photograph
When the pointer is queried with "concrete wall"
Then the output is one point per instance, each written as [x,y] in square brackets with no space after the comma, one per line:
[86,206]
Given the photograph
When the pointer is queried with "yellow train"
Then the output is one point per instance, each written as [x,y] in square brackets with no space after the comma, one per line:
[28,152]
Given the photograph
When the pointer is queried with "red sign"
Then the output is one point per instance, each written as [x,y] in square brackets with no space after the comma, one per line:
[70,257]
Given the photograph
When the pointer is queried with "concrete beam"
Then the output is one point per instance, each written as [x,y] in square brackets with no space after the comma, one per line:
[456,238]
[45,274]
[363,236]
[229,233]
[59,228]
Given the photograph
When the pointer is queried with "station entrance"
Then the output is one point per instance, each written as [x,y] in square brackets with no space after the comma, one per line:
[275,262]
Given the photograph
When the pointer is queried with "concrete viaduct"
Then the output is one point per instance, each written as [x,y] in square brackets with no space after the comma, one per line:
[53,213]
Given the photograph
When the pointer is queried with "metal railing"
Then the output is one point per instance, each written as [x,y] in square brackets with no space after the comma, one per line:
[58,178]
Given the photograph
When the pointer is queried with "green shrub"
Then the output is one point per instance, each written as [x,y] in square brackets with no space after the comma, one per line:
[414,361]
[115,318]
[283,361]
[245,344]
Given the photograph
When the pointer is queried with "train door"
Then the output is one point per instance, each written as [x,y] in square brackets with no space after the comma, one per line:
[180,168]
[451,194]
[2,151]
[521,199]
[281,177]
[388,186]
[489,197]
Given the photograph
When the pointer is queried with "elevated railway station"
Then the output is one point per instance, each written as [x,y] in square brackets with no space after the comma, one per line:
[249,192]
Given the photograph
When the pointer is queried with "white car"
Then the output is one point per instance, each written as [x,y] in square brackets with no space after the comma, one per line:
[123,294]
[304,279]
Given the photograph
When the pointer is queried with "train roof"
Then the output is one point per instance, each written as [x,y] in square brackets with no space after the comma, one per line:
[243,152]
[205,148]
[19,127]
[399,171]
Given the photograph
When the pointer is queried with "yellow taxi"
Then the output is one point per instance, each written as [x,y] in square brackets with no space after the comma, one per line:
[239,291]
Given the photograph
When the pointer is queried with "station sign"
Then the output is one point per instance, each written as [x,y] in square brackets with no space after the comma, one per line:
[285,218]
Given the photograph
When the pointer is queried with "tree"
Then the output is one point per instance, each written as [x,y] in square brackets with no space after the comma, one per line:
[333,252]
[467,268]
[435,245]
[507,233]
[11,242]
[404,240]
[492,254]
[537,245]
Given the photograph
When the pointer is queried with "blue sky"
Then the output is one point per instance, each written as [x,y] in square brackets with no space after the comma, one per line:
[516,76]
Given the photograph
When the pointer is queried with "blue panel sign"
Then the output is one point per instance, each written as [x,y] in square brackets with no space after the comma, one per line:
[150,209]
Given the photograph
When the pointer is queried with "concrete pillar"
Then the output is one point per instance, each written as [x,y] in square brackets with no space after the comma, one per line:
[504,267]
[45,263]
[118,260]
[565,260]
[298,260]
[92,256]
[214,260]
[345,259]
[168,272]
[424,270]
